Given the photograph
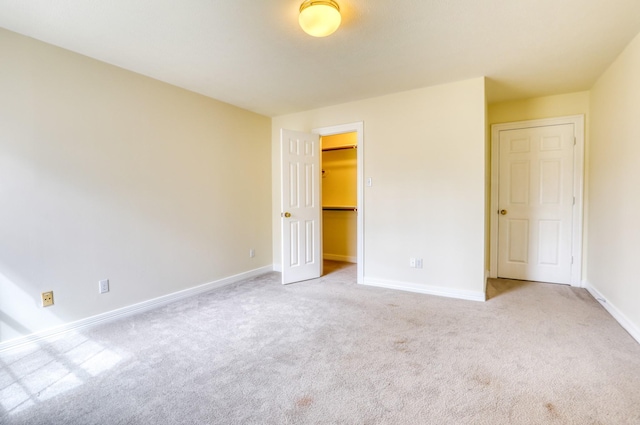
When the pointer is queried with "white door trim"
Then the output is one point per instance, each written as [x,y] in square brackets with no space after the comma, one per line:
[357,127]
[578,188]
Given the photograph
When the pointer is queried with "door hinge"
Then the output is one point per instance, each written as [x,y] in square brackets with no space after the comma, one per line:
[574,200]
[575,141]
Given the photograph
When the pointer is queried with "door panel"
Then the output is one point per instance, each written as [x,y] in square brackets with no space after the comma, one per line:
[549,242]
[293,243]
[535,192]
[301,209]
[310,242]
[550,181]
[519,183]
[518,241]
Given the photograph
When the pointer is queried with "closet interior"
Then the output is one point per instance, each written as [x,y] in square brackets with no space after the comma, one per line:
[339,197]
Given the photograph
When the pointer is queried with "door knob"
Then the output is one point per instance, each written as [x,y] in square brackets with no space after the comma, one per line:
[503,212]
[287,214]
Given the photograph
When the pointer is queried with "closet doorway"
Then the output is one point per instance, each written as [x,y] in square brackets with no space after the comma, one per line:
[342,194]
[340,197]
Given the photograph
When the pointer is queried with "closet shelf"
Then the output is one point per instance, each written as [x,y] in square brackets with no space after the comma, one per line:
[339,148]
[336,208]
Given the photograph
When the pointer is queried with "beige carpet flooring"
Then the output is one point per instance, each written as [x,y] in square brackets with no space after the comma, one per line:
[329,351]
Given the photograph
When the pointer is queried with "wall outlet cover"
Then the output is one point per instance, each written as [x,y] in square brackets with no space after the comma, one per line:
[47,299]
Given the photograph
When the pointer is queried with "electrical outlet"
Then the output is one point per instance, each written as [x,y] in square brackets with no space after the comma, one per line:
[103,286]
[252,253]
[412,262]
[418,263]
[47,299]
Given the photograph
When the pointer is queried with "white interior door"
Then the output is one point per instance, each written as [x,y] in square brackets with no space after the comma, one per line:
[535,203]
[301,209]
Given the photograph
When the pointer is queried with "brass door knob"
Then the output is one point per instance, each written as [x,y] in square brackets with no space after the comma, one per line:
[287,214]
[503,212]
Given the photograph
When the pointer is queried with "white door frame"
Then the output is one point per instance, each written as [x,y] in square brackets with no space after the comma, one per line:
[357,127]
[578,188]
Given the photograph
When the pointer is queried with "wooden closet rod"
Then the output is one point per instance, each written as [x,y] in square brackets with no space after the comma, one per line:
[339,148]
[339,208]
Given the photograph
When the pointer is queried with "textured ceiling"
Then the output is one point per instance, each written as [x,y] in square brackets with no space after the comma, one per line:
[252,53]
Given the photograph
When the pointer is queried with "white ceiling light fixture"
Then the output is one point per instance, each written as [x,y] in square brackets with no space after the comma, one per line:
[319,18]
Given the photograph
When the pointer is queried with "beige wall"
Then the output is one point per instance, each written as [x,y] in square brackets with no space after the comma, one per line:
[614,166]
[108,174]
[425,151]
[539,107]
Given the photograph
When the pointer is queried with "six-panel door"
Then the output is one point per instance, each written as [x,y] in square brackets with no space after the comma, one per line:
[536,203]
[301,208]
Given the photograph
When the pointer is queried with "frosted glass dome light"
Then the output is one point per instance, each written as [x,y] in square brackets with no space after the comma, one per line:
[319,18]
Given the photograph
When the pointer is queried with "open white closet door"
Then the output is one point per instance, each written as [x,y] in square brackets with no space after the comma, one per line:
[301,223]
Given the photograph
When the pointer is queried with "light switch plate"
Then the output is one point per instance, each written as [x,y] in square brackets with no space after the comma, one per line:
[103,286]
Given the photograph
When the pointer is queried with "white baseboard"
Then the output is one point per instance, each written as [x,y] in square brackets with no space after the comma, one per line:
[110,316]
[277,267]
[344,258]
[627,324]
[427,289]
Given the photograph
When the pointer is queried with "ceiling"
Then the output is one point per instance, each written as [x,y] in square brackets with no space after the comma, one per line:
[253,54]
